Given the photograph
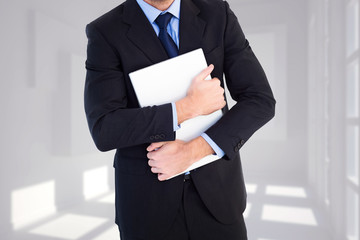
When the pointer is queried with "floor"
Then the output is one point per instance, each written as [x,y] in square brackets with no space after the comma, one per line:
[278,211]
[274,212]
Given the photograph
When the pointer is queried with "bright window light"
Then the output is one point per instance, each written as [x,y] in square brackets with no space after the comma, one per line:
[298,192]
[352,89]
[291,215]
[251,188]
[352,27]
[352,153]
[33,203]
[111,233]
[69,226]
[95,182]
[247,210]
[108,199]
[352,214]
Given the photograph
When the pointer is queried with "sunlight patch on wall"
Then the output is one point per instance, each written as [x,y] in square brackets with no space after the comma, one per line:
[33,203]
[69,226]
[108,199]
[352,214]
[247,210]
[95,182]
[291,215]
[283,191]
[251,188]
[111,233]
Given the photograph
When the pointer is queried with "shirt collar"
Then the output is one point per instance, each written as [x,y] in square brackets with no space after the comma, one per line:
[152,13]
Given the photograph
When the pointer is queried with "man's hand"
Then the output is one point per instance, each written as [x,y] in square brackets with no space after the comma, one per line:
[203,97]
[170,158]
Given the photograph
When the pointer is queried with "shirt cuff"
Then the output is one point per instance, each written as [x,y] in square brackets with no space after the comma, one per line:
[175,118]
[218,151]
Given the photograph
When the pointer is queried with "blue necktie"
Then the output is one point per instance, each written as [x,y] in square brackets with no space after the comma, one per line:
[162,21]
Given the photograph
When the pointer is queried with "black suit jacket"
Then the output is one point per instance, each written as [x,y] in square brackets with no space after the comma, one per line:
[122,41]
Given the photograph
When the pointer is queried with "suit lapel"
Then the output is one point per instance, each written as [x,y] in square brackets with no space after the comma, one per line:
[141,33]
[191,27]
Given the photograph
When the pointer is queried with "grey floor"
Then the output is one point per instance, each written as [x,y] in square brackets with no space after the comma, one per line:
[278,211]
[275,211]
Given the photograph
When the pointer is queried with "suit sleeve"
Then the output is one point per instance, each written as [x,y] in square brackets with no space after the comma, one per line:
[248,86]
[111,122]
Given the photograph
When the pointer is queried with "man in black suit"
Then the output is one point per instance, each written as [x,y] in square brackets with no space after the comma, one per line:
[207,203]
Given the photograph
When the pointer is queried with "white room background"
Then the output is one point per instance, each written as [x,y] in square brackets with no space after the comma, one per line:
[302,169]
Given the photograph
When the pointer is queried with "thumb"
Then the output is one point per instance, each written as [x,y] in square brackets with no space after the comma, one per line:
[204,73]
[155,146]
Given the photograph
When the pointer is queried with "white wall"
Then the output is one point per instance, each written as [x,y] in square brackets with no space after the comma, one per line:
[277,31]
[334,155]
[46,149]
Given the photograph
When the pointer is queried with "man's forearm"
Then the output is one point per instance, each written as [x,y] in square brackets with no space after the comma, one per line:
[184,110]
[199,148]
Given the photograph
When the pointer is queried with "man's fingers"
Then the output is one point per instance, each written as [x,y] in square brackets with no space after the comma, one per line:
[217,81]
[162,177]
[204,73]
[152,147]
[155,146]
[151,163]
[155,170]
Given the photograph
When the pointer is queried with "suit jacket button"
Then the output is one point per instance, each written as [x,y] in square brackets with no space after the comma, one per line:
[162,136]
[242,142]
[236,149]
[157,137]
[239,146]
[152,138]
